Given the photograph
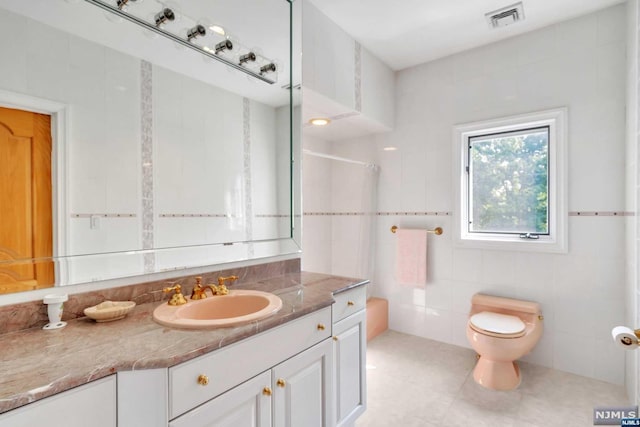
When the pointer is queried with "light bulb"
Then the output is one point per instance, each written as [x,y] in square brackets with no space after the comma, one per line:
[247,57]
[197,31]
[164,16]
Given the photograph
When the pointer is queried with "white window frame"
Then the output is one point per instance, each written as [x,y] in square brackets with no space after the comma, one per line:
[557,240]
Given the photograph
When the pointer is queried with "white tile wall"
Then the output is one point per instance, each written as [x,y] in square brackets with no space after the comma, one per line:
[316,198]
[100,87]
[378,94]
[579,64]
[337,244]
[632,287]
[194,124]
[328,66]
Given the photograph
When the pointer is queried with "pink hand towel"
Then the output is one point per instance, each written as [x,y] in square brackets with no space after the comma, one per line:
[411,257]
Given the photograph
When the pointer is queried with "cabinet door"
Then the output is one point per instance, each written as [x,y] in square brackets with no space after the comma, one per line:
[349,351]
[92,404]
[238,362]
[142,398]
[248,404]
[303,387]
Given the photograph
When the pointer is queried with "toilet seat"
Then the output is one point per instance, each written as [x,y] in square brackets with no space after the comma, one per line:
[497,324]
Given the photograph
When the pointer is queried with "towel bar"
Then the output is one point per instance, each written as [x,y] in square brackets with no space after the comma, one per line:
[437,230]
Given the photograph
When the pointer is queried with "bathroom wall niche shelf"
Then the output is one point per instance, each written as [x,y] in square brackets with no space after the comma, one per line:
[183,41]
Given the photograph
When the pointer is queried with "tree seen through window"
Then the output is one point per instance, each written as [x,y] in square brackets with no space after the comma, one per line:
[508,182]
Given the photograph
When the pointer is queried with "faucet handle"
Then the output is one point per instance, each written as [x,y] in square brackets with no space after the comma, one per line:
[177,298]
[230,279]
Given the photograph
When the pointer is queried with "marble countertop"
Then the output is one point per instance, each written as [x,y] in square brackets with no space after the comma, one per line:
[36,363]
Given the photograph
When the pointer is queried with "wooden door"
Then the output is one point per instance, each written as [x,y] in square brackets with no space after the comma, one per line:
[25,201]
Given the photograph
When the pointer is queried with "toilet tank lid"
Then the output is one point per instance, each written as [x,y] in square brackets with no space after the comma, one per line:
[505,303]
[497,322]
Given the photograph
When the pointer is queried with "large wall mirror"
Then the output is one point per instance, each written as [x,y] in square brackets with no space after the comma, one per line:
[145,136]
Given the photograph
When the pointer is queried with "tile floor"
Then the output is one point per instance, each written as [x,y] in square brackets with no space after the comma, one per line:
[414,381]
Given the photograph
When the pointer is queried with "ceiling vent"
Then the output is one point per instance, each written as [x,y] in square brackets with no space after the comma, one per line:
[505,16]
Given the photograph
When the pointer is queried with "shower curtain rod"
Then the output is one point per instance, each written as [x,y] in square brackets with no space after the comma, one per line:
[341,159]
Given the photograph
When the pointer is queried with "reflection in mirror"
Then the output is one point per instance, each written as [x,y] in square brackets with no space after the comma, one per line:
[132,155]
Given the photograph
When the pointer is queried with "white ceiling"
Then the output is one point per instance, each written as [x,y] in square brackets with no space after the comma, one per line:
[404,33]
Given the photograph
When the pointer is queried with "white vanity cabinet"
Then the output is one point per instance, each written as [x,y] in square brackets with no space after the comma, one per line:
[309,372]
[248,404]
[303,389]
[296,392]
[349,354]
[92,404]
[284,376]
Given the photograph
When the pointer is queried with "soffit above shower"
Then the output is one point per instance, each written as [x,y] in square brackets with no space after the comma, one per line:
[410,32]
[345,123]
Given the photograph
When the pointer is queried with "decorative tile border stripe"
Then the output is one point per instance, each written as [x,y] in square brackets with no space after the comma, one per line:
[185,215]
[435,213]
[176,215]
[432,213]
[357,76]
[246,176]
[378,213]
[103,215]
[223,216]
[601,213]
[338,213]
[146,151]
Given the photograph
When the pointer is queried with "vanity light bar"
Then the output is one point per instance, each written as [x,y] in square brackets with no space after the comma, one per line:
[183,42]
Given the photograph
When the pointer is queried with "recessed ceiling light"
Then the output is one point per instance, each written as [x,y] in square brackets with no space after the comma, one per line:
[390,148]
[320,121]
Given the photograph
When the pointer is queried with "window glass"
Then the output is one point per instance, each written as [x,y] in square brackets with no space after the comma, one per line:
[511,176]
[508,184]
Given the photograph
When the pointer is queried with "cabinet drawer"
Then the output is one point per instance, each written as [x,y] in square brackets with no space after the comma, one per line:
[236,363]
[349,302]
[245,405]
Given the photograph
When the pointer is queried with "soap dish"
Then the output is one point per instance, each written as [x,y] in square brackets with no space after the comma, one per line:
[109,310]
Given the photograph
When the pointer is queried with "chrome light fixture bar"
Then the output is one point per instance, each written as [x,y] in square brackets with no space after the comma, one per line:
[183,42]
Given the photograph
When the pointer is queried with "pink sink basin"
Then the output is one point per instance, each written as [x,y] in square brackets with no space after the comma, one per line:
[220,311]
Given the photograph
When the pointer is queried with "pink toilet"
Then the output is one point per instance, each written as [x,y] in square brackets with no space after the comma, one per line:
[502,330]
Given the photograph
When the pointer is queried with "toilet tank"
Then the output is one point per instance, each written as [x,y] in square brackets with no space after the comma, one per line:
[482,302]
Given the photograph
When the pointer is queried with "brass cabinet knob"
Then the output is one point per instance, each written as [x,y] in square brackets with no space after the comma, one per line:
[320,327]
[266,391]
[351,303]
[281,382]
[203,379]
[335,338]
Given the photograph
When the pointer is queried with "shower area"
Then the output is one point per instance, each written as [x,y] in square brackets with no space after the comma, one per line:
[339,206]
